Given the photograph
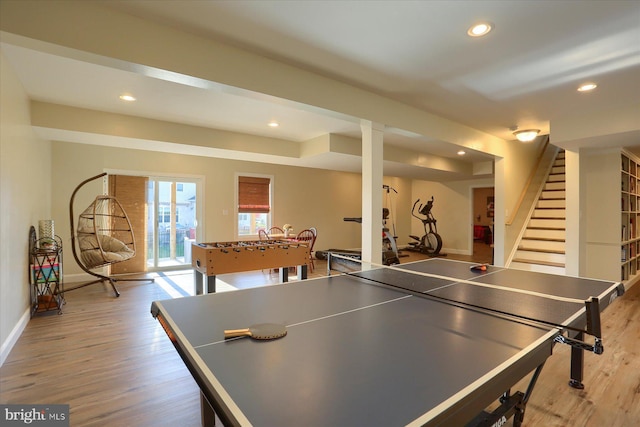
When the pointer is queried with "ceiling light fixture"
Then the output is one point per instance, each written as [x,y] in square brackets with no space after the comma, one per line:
[461,153]
[527,135]
[587,87]
[128,98]
[274,124]
[479,30]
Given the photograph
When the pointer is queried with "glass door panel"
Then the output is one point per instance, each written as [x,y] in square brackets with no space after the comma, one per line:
[172,210]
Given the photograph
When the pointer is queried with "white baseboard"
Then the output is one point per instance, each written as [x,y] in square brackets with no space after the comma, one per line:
[13,337]
[446,250]
[456,251]
[70,279]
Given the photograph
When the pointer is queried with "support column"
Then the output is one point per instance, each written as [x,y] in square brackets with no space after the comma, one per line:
[500,213]
[573,221]
[372,159]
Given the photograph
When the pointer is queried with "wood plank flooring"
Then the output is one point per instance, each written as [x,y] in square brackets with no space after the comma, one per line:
[113,364]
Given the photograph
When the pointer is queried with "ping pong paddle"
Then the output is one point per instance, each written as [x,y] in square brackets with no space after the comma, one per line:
[479,267]
[262,331]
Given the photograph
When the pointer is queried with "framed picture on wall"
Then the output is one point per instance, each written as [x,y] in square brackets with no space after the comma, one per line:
[490,207]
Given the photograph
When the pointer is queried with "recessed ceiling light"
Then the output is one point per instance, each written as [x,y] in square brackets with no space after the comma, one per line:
[461,153]
[479,29]
[587,87]
[128,98]
[274,124]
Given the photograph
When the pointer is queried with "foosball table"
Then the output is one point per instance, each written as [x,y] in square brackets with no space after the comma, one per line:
[212,259]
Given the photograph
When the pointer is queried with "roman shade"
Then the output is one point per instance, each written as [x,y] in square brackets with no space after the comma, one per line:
[253,194]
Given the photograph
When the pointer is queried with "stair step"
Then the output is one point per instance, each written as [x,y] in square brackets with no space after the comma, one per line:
[558,187]
[551,204]
[554,212]
[544,233]
[555,185]
[549,214]
[553,194]
[557,169]
[540,250]
[547,228]
[556,177]
[540,256]
[539,268]
[552,264]
[552,246]
[545,239]
[548,223]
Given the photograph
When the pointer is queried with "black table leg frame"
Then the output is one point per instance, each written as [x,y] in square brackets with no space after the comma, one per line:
[510,405]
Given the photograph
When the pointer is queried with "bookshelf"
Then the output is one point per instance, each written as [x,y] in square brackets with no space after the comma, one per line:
[629,216]
[610,181]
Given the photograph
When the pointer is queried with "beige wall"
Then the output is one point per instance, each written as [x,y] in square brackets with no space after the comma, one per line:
[452,209]
[303,197]
[25,198]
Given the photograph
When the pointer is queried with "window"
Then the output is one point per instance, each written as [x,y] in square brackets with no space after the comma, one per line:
[164,214]
[254,204]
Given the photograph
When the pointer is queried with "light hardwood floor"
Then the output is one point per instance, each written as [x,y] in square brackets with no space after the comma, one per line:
[113,364]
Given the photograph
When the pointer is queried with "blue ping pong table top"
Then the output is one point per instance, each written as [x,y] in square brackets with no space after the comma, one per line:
[359,353]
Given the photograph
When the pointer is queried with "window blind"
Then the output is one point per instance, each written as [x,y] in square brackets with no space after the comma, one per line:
[253,194]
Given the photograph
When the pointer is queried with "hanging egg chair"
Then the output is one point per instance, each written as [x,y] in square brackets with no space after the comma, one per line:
[104,236]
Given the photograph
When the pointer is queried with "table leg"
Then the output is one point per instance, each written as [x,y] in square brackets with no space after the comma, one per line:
[207,413]
[197,282]
[200,286]
[284,274]
[302,272]
[211,284]
[577,364]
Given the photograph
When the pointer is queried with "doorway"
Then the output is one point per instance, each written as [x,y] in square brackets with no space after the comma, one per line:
[173,213]
[483,215]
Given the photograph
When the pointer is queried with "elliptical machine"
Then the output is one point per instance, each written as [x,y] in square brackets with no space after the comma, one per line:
[431,242]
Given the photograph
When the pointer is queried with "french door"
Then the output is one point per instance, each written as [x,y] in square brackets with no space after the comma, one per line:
[173,213]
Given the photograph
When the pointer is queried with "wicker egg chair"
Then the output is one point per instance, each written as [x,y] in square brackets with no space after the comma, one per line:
[103,236]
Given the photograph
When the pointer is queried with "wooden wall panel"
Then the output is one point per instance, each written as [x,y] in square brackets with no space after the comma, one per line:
[131,193]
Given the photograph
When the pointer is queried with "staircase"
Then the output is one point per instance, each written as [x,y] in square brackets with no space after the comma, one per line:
[542,245]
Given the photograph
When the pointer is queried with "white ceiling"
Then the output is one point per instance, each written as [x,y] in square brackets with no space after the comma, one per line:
[524,73]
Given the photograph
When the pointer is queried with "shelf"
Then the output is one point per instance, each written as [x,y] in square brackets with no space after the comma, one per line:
[45,274]
[629,216]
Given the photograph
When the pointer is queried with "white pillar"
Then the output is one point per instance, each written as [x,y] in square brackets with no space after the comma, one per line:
[500,214]
[573,221]
[372,152]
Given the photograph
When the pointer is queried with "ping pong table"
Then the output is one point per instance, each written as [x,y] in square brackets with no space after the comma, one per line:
[424,343]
